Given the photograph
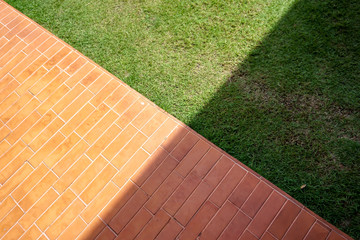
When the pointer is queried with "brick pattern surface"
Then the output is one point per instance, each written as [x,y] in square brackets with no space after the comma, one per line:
[83,156]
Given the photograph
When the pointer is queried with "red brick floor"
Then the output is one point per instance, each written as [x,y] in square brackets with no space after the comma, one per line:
[84,156]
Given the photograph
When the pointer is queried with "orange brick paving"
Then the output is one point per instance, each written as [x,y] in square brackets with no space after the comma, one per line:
[83,156]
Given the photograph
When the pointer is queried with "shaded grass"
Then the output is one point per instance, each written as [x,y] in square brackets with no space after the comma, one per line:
[274,83]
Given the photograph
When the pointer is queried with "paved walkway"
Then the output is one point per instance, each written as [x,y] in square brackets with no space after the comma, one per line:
[82,155]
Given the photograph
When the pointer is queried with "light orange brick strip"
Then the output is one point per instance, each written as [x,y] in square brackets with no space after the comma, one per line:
[83,156]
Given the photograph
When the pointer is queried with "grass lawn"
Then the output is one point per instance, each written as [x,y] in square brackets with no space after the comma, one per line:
[275,83]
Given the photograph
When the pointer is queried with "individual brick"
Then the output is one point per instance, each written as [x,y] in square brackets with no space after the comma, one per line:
[80,74]
[50,52]
[92,76]
[68,60]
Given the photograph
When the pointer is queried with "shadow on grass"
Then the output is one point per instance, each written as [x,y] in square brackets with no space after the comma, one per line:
[291,109]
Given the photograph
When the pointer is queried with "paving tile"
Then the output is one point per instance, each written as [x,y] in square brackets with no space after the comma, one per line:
[218,172]
[184,146]
[106,234]
[268,236]
[23,127]
[75,66]
[104,92]
[10,220]
[6,205]
[14,233]
[80,74]
[247,236]
[160,135]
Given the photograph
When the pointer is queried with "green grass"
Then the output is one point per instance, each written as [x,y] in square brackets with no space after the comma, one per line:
[275,83]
